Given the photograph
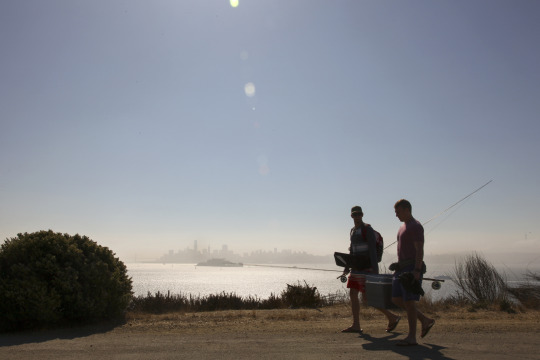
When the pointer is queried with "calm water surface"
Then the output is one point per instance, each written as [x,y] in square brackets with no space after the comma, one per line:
[246,281]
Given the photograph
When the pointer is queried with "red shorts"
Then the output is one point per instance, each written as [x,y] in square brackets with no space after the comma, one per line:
[358,281]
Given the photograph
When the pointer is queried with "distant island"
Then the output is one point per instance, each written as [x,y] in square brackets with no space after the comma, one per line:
[220,263]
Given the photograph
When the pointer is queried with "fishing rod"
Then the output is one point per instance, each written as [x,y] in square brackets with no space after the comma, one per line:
[450,207]
[292,267]
[341,277]
[445,210]
[436,283]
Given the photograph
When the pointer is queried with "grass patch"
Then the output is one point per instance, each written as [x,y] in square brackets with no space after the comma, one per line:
[482,287]
[528,293]
[294,296]
[479,282]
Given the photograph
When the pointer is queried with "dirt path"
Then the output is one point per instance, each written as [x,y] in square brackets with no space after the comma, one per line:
[283,334]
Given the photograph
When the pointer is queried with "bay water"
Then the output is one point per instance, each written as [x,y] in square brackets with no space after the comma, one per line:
[256,281]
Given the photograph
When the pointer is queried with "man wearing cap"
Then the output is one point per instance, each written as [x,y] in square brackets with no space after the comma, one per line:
[363,244]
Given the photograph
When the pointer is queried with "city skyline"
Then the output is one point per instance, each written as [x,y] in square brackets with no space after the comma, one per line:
[284,256]
[291,257]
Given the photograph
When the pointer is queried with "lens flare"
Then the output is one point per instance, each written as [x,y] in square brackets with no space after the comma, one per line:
[249,89]
[264,169]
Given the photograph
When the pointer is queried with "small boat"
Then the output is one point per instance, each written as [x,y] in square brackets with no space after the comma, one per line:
[220,263]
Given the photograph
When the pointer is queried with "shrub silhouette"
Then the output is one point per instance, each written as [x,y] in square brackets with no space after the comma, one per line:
[48,278]
[479,282]
[299,295]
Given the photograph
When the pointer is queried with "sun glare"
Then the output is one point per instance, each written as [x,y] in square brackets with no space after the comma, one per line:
[249,89]
[234,3]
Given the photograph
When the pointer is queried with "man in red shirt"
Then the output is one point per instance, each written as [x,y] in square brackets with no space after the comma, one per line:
[410,259]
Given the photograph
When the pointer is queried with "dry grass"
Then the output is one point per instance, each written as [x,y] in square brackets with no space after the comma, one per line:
[481,286]
[294,296]
[528,293]
[452,317]
[479,282]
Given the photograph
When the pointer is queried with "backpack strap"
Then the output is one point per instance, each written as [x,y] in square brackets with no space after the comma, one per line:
[364,231]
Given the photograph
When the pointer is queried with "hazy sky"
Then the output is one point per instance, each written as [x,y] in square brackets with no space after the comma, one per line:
[148,124]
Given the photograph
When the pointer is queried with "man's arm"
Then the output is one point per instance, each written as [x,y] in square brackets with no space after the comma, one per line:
[419,261]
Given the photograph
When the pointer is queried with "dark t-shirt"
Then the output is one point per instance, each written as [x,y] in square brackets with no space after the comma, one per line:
[366,247]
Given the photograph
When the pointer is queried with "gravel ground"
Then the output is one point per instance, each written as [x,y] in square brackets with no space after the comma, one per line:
[283,334]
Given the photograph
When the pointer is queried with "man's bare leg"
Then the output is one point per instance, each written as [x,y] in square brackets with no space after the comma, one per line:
[393,319]
[355,305]
[412,317]
[410,306]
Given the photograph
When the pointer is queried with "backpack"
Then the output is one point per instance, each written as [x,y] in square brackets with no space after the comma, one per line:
[379,243]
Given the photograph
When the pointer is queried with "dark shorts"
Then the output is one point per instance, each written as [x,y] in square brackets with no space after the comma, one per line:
[399,291]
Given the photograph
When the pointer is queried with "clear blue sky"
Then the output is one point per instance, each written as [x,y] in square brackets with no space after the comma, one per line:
[146,125]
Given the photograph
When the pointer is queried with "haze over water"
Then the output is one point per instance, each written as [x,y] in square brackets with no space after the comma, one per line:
[146,125]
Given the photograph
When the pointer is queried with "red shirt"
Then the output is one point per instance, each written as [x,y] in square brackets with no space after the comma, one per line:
[409,233]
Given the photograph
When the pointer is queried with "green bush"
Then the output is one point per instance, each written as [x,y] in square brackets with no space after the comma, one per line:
[49,278]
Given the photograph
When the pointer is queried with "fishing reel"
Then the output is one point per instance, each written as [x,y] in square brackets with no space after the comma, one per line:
[436,285]
[342,278]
